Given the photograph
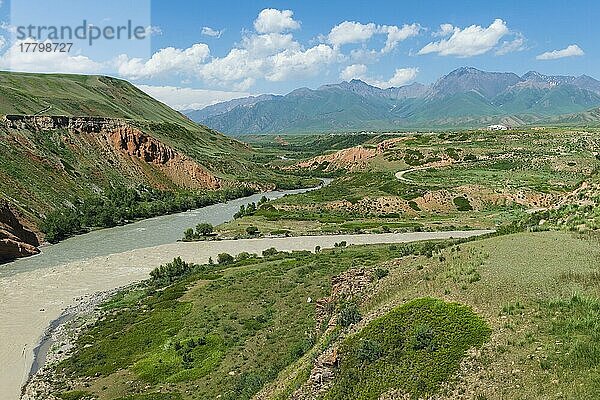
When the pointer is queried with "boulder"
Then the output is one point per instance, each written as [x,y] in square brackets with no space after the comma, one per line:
[15,240]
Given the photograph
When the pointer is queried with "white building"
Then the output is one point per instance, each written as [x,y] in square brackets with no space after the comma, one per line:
[498,127]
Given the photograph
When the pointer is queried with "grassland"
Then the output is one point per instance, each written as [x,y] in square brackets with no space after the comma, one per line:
[43,170]
[81,95]
[470,179]
[525,307]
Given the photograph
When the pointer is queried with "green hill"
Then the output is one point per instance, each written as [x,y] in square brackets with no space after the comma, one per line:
[69,137]
[509,317]
[80,95]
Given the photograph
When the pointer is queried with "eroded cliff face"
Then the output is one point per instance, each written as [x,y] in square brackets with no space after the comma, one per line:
[179,168]
[15,240]
[129,141]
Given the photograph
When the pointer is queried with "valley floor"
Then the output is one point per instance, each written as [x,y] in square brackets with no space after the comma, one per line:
[536,291]
[29,301]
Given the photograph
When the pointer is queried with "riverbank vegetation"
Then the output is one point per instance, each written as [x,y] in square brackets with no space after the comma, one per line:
[461,311]
[121,205]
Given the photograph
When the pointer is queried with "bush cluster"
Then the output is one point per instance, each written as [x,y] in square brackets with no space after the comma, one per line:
[120,205]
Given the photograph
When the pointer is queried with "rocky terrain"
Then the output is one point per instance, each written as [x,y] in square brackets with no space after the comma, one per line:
[15,239]
[128,140]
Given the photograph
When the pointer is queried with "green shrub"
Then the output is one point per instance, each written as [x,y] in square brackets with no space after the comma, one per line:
[252,230]
[380,273]
[171,272]
[75,395]
[225,258]
[204,229]
[348,314]
[412,204]
[414,348]
[462,203]
[188,235]
[270,252]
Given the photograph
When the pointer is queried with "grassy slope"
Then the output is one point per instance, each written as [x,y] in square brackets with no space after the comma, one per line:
[39,172]
[80,95]
[255,318]
[255,321]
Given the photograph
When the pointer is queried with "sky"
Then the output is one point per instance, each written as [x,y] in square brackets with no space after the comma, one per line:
[196,53]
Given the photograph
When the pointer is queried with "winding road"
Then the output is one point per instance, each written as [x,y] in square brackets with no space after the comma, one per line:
[400,174]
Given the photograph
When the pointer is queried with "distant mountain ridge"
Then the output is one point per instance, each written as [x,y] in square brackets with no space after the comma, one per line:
[466,97]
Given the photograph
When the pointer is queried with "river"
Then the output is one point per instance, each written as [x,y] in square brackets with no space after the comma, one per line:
[145,233]
[35,291]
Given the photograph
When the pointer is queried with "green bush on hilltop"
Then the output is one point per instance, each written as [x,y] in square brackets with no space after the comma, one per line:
[414,348]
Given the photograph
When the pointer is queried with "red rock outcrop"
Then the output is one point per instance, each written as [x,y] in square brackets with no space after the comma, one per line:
[178,167]
[15,240]
[124,137]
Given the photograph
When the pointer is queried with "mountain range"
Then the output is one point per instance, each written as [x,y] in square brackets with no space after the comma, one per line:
[464,98]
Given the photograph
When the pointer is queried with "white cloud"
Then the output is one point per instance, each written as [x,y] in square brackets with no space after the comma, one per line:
[291,63]
[238,68]
[401,76]
[16,60]
[167,60]
[359,71]
[271,20]
[570,51]
[189,99]
[274,58]
[351,32]
[445,30]
[470,41]
[510,46]
[396,35]
[271,56]
[2,42]
[268,44]
[354,71]
[208,31]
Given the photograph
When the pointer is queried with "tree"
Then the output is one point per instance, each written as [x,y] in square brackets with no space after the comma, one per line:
[252,230]
[270,252]
[204,229]
[242,256]
[225,258]
[188,235]
[240,213]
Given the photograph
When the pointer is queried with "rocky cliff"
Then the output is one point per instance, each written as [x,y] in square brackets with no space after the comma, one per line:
[15,240]
[125,138]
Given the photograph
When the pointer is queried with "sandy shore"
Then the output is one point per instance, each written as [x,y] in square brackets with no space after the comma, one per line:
[31,300]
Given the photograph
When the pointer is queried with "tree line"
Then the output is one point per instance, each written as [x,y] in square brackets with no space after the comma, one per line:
[120,205]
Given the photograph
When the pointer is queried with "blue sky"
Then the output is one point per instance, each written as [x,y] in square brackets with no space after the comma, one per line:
[200,52]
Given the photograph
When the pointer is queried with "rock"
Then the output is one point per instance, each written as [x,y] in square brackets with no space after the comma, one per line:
[126,138]
[15,240]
